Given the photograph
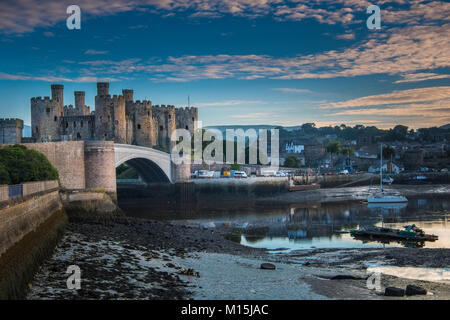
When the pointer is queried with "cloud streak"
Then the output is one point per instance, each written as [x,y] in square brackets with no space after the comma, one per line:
[22,16]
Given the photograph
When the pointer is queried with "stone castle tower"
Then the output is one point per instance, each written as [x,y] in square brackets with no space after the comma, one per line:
[116,118]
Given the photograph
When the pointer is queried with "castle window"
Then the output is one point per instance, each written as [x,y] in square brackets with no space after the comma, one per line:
[74,124]
[37,129]
[161,128]
[187,128]
[55,118]
[47,110]
[109,118]
[67,124]
[139,127]
[170,116]
[148,113]
[78,135]
[193,119]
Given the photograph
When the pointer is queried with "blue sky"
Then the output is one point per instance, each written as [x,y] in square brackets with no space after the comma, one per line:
[283,62]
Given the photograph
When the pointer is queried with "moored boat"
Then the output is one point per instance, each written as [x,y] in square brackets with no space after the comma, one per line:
[410,233]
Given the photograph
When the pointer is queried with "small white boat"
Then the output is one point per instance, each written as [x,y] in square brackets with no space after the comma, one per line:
[386,197]
[382,196]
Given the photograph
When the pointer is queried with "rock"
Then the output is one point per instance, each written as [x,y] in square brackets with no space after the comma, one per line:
[268,266]
[412,290]
[394,292]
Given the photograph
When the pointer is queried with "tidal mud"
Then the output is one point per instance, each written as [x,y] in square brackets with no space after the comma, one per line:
[130,258]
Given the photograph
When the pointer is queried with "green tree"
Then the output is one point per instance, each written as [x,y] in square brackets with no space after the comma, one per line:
[333,147]
[235,167]
[347,151]
[292,162]
[23,165]
[4,175]
[388,152]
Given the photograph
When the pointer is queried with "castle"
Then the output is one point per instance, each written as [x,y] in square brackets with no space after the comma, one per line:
[116,118]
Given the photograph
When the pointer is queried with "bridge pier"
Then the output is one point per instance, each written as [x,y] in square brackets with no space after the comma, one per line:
[99,165]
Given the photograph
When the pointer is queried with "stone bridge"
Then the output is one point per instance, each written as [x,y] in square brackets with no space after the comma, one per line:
[151,164]
[92,164]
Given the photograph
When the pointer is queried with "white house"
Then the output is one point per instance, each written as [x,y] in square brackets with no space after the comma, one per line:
[388,166]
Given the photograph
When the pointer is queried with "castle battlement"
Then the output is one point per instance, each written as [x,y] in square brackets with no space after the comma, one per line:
[117,117]
[11,121]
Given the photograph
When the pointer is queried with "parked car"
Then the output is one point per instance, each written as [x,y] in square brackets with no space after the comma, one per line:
[226,174]
[240,174]
[344,172]
[205,174]
[268,173]
[280,174]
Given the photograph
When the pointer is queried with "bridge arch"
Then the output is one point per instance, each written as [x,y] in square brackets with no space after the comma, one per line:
[152,165]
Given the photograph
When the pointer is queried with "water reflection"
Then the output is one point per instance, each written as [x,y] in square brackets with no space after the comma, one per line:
[310,225]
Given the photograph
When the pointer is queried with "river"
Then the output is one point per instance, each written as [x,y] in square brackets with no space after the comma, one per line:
[315,224]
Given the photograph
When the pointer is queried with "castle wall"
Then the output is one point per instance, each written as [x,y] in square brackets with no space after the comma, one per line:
[119,124]
[68,159]
[81,164]
[45,119]
[80,107]
[11,130]
[143,123]
[117,118]
[78,127]
[186,118]
[130,129]
[166,124]
[103,118]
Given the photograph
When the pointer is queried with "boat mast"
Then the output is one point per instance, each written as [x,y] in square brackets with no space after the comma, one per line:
[381,167]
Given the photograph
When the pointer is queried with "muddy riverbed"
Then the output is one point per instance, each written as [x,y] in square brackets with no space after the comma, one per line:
[130,258]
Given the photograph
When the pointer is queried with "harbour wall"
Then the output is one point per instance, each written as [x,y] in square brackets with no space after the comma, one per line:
[30,228]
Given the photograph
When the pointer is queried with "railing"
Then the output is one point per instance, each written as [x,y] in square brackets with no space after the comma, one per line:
[9,192]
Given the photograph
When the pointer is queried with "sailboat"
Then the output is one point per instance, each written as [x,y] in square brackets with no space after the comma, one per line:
[382,196]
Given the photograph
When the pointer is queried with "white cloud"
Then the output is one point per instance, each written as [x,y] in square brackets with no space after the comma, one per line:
[396,97]
[417,77]
[94,52]
[293,90]
[25,15]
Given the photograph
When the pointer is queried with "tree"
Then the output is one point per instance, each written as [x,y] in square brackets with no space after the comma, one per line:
[333,147]
[388,152]
[347,151]
[23,165]
[292,162]
[4,175]
[235,167]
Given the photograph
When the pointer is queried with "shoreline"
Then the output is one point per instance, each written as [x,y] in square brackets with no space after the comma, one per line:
[354,193]
[131,258]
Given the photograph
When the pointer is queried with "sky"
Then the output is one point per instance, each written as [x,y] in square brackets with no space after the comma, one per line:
[277,62]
